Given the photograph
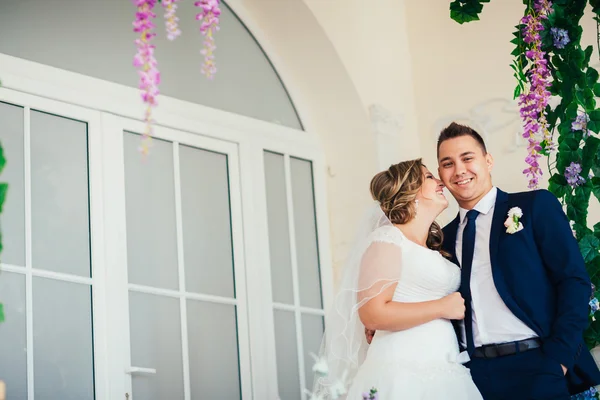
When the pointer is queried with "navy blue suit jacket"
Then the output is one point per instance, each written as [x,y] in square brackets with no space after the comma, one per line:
[541,277]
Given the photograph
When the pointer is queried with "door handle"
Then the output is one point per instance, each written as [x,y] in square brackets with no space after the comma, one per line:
[140,371]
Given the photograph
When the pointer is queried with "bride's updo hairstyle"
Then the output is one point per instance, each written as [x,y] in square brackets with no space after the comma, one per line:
[396,191]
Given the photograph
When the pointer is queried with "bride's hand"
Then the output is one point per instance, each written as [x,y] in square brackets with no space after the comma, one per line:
[452,306]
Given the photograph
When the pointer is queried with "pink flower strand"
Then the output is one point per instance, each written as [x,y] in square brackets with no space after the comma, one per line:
[145,61]
[533,103]
[171,20]
[209,15]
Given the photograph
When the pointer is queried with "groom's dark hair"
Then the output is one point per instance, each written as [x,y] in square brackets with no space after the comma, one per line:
[455,130]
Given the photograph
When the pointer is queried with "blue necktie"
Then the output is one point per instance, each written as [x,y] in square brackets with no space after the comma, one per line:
[468,247]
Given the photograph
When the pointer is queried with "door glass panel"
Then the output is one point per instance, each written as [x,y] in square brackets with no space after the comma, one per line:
[288,379]
[13,335]
[59,195]
[213,345]
[150,205]
[312,334]
[13,216]
[309,280]
[206,222]
[279,234]
[155,329]
[62,340]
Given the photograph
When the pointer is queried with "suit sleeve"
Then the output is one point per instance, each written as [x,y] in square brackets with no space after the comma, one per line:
[566,270]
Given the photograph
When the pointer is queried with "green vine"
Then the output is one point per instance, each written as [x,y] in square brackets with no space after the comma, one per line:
[3,191]
[576,85]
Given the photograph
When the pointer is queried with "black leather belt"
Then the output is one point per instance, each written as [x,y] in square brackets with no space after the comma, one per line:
[506,349]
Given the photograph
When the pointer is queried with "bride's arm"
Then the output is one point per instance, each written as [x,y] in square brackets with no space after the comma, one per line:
[379,272]
[381,313]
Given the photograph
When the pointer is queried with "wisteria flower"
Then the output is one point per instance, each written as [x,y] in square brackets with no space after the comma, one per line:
[560,37]
[590,394]
[594,306]
[209,15]
[146,62]
[371,395]
[534,101]
[171,20]
[572,175]
[580,124]
[513,223]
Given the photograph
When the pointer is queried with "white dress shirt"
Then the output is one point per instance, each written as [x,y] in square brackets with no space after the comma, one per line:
[493,322]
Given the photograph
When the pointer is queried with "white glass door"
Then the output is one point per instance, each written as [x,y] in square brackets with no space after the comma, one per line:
[181,265]
[52,278]
[295,268]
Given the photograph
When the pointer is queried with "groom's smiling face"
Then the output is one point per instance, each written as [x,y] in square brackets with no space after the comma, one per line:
[465,168]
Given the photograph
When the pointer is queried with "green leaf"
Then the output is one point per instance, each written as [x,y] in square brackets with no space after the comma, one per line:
[566,157]
[585,97]
[466,10]
[1,313]
[558,185]
[596,165]
[577,204]
[2,159]
[582,230]
[591,77]
[565,129]
[588,54]
[569,144]
[3,191]
[595,115]
[596,89]
[577,57]
[589,154]
[597,229]
[589,247]
[517,92]
[462,14]
[596,187]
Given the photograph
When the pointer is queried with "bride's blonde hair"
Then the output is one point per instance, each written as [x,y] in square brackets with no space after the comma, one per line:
[396,190]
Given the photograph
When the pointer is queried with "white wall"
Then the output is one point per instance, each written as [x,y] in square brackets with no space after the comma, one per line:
[327,101]
[372,43]
[462,72]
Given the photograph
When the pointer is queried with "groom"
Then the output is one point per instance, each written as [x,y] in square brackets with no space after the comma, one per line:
[525,286]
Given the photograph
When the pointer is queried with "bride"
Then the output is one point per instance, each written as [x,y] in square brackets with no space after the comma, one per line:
[399,284]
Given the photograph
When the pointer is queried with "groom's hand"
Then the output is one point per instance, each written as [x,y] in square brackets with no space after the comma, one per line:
[564,369]
[369,333]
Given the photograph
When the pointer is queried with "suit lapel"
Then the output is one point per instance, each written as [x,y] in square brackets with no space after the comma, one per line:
[450,238]
[500,213]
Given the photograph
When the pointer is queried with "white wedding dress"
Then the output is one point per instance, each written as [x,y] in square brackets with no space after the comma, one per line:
[421,362]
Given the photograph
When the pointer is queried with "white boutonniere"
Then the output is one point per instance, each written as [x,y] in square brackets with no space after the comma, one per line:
[512,223]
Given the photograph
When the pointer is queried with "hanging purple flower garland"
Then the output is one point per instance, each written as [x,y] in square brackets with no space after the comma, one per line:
[209,15]
[533,103]
[146,62]
[171,20]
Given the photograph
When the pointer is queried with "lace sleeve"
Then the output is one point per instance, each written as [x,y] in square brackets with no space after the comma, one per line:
[380,265]
[387,234]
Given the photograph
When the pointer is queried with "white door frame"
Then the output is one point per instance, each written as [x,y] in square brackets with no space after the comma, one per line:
[96,210]
[113,128]
[251,136]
